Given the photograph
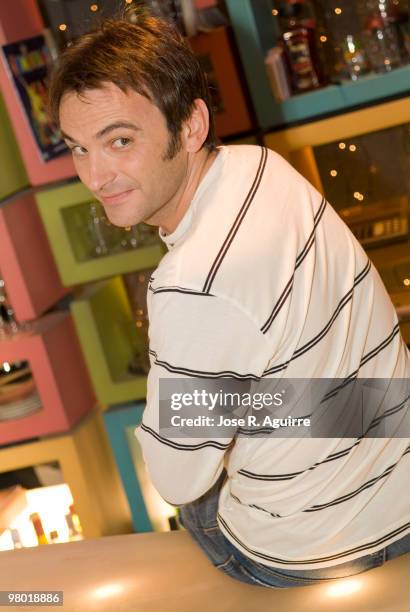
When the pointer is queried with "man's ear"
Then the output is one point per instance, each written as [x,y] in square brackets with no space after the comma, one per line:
[195,128]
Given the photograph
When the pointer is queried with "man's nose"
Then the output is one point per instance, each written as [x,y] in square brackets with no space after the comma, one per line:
[100,172]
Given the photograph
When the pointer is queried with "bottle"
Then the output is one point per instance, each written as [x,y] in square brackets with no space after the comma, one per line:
[98,241]
[38,526]
[297,24]
[75,531]
[355,62]
[15,536]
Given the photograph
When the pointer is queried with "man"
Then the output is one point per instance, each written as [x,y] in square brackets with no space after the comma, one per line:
[262,280]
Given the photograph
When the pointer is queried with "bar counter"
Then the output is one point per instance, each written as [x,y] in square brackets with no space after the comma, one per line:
[166,572]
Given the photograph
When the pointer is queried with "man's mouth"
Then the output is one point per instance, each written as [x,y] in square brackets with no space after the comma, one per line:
[116,198]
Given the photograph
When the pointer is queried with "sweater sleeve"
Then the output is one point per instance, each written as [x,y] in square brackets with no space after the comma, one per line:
[194,335]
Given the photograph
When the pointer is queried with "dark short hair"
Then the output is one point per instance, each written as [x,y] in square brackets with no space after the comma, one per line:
[149,57]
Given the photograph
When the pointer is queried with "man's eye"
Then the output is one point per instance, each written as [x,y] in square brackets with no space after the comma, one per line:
[78,150]
[120,143]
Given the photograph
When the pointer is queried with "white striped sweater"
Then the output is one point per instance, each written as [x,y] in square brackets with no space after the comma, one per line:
[263,278]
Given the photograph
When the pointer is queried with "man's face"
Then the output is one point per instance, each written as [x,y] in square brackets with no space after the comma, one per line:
[119,143]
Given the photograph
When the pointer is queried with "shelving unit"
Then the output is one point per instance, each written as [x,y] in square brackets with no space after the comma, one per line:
[40,265]
[255,33]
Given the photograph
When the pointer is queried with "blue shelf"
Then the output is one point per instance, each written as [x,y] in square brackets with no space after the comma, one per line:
[117,419]
[377,86]
[254,29]
[303,106]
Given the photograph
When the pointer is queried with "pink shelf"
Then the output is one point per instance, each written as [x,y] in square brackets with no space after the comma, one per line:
[60,375]
[21,19]
[26,261]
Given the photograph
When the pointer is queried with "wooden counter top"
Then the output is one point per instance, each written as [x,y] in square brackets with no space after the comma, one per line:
[166,572]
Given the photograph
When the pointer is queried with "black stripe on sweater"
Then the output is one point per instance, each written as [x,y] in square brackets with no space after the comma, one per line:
[367,485]
[201,373]
[184,447]
[177,289]
[291,475]
[316,339]
[362,548]
[370,355]
[302,255]
[333,456]
[234,229]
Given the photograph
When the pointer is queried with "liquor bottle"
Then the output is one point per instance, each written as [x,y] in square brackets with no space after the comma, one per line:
[75,531]
[297,24]
[38,527]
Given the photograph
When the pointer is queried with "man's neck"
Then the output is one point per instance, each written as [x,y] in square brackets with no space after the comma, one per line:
[196,171]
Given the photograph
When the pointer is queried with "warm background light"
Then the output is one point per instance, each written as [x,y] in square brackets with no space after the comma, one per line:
[108,590]
[52,504]
[344,588]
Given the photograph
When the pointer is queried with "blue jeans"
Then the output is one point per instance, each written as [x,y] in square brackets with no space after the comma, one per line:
[200,519]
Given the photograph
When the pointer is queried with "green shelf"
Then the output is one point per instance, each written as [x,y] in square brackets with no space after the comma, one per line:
[13,176]
[54,206]
[255,32]
[103,319]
